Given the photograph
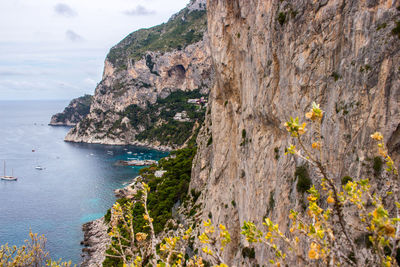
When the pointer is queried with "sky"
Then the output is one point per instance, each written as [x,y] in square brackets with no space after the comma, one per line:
[51,49]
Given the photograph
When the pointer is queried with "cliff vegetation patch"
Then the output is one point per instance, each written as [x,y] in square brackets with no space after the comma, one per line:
[160,121]
[184,29]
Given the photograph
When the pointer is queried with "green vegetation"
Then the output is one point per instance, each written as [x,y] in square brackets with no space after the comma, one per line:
[82,107]
[336,76]
[169,132]
[164,193]
[248,253]
[304,182]
[209,142]
[378,165]
[346,179]
[281,18]
[381,26]
[244,139]
[174,132]
[171,188]
[276,150]
[184,29]
[396,30]
[365,68]
[271,202]
[244,133]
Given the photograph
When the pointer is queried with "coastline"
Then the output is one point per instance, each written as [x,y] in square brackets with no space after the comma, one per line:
[95,236]
[135,143]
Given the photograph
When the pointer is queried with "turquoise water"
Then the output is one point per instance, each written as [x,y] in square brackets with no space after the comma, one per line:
[75,186]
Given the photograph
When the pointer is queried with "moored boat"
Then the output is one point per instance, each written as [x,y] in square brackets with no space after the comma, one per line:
[6,177]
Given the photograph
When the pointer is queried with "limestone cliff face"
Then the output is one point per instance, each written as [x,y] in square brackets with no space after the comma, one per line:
[146,66]
[77,109]
[271,60]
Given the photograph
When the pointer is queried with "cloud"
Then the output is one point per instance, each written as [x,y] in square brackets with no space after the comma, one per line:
[64,10]
[73,36]
[139,11]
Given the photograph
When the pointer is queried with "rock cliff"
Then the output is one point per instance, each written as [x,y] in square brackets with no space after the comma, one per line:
[271,60]
[148,79]
[96,241]
[77,109]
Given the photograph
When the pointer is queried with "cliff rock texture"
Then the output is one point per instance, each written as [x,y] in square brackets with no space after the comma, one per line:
[77,109]
[96,241]
[140,73]
[271,60]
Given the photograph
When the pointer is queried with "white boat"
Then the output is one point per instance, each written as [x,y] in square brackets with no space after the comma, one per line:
[39,168]
[110,152]
[129,152]
[8,178]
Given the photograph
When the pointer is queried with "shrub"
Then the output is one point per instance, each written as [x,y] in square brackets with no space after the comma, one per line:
[396,30]
[244,134]
[195,194]
[248,253]
[209,142]
[381,26]
[276,150]
[303,179]
[335,76]
[377,166]
[281,18]
[346,179]
[107,216]
[271,202]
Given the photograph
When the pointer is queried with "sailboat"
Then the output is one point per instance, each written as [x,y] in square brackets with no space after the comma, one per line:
[8,178]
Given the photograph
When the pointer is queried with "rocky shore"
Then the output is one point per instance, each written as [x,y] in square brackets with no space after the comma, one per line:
[95,237]
[120,142]
[96,241]
[136,162]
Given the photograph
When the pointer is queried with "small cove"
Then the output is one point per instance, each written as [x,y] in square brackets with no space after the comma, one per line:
[75,186]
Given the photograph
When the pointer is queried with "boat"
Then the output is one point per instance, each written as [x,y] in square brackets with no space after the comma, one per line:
[39,168]
[8,178]
[110,152]
[129,152]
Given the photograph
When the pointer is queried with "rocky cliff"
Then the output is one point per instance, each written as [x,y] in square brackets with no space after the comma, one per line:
[77,109]
[271,60]
[147,81]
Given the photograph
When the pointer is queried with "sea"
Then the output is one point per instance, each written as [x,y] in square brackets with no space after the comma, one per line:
[75,185]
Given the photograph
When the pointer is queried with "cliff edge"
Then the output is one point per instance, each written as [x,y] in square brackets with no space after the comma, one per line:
[272,59]
[155,85]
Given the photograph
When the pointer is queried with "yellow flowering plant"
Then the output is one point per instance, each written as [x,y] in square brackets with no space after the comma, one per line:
[32,253]
[336,216]
[146,249]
